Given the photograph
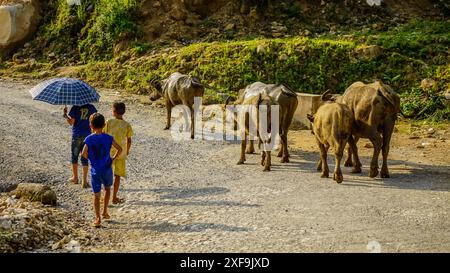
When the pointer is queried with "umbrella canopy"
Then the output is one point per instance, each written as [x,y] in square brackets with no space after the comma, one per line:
[65,91]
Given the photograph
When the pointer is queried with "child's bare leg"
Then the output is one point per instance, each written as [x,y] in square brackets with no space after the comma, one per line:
[75,173]
[85,174]
[97,222]
[106,202]
[116,186]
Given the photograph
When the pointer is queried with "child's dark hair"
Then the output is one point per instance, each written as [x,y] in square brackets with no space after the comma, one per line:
[119,108]
[97,121]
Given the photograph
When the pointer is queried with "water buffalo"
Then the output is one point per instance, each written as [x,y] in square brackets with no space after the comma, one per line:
[287,101]
[375,108]
[332,127]
[178,89]
[257,100]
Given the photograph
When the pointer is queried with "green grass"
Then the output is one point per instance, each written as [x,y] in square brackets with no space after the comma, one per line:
[410,53]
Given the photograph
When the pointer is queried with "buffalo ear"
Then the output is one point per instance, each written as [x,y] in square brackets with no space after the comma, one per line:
[310,117]
[157,85]
[227,101]
[327,96]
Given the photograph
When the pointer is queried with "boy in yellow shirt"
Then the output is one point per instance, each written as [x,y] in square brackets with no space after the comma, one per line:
[122,133]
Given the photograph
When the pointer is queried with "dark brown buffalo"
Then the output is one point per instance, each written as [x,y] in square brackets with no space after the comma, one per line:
[332,127]
[257,100]
[287,101]
[375,108]
[178,89]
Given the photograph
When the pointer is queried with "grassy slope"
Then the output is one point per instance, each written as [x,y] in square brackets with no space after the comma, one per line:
[409,54]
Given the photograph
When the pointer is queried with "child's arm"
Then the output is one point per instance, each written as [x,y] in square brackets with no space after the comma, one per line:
[69,119]
[118,148]
[128,145]
[84,153]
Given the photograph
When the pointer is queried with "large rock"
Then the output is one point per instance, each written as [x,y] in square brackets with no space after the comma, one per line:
[307,104]
[447,98]
[19,20]
[35,192]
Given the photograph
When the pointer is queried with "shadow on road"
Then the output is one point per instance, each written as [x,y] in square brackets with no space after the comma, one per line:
[195,227]
[404,174]
[192,203]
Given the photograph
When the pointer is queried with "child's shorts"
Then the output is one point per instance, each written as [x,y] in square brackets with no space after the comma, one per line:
[77,148]
[105,178]
[118,167]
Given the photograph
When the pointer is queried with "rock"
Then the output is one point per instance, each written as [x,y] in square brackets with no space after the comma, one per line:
[19,20]
[230,27]
[35,192]
[44,74]
[368,52]
[447,98]
[261,49]
[5,223]
[427,84]
[368,145]
[307,104]
[283,57]
[73,246]
[51,55]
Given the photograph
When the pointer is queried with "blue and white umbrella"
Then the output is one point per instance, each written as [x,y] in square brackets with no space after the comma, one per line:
[65,91]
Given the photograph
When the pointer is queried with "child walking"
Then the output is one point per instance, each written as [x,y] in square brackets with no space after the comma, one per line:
[78,118]
[97,147]
[122,133]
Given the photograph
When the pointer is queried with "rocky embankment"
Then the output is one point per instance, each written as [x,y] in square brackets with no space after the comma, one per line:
[32,226]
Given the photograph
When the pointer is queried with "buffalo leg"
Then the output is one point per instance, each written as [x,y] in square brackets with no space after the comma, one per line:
[251,147]
[192,122]
[267,161]
[377,143]
[243,145]
[349,161]
[169,114]
[354,152]
[339,153]
[323,158]
[387,133]
[285,158]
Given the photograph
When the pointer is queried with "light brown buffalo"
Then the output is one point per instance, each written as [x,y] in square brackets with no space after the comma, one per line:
[178,89]
[375,108]
[287,101]
[257,100]
[332,127]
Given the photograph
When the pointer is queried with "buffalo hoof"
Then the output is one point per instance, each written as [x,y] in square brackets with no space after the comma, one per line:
[373,172]
[356,170]
[338,178]
[166,128]
[263,162]
[285,160]
[240,162]
[384,173]
[319,168]
[348,163]
[324,175]
[266,169]
[250,152]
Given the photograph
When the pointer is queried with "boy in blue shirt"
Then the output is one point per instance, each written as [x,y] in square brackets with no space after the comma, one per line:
[97,147]
[79,119]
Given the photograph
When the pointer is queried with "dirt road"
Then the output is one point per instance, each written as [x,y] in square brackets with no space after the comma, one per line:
[192,197]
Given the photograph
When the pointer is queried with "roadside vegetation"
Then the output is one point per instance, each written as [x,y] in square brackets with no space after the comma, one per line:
[101,42]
